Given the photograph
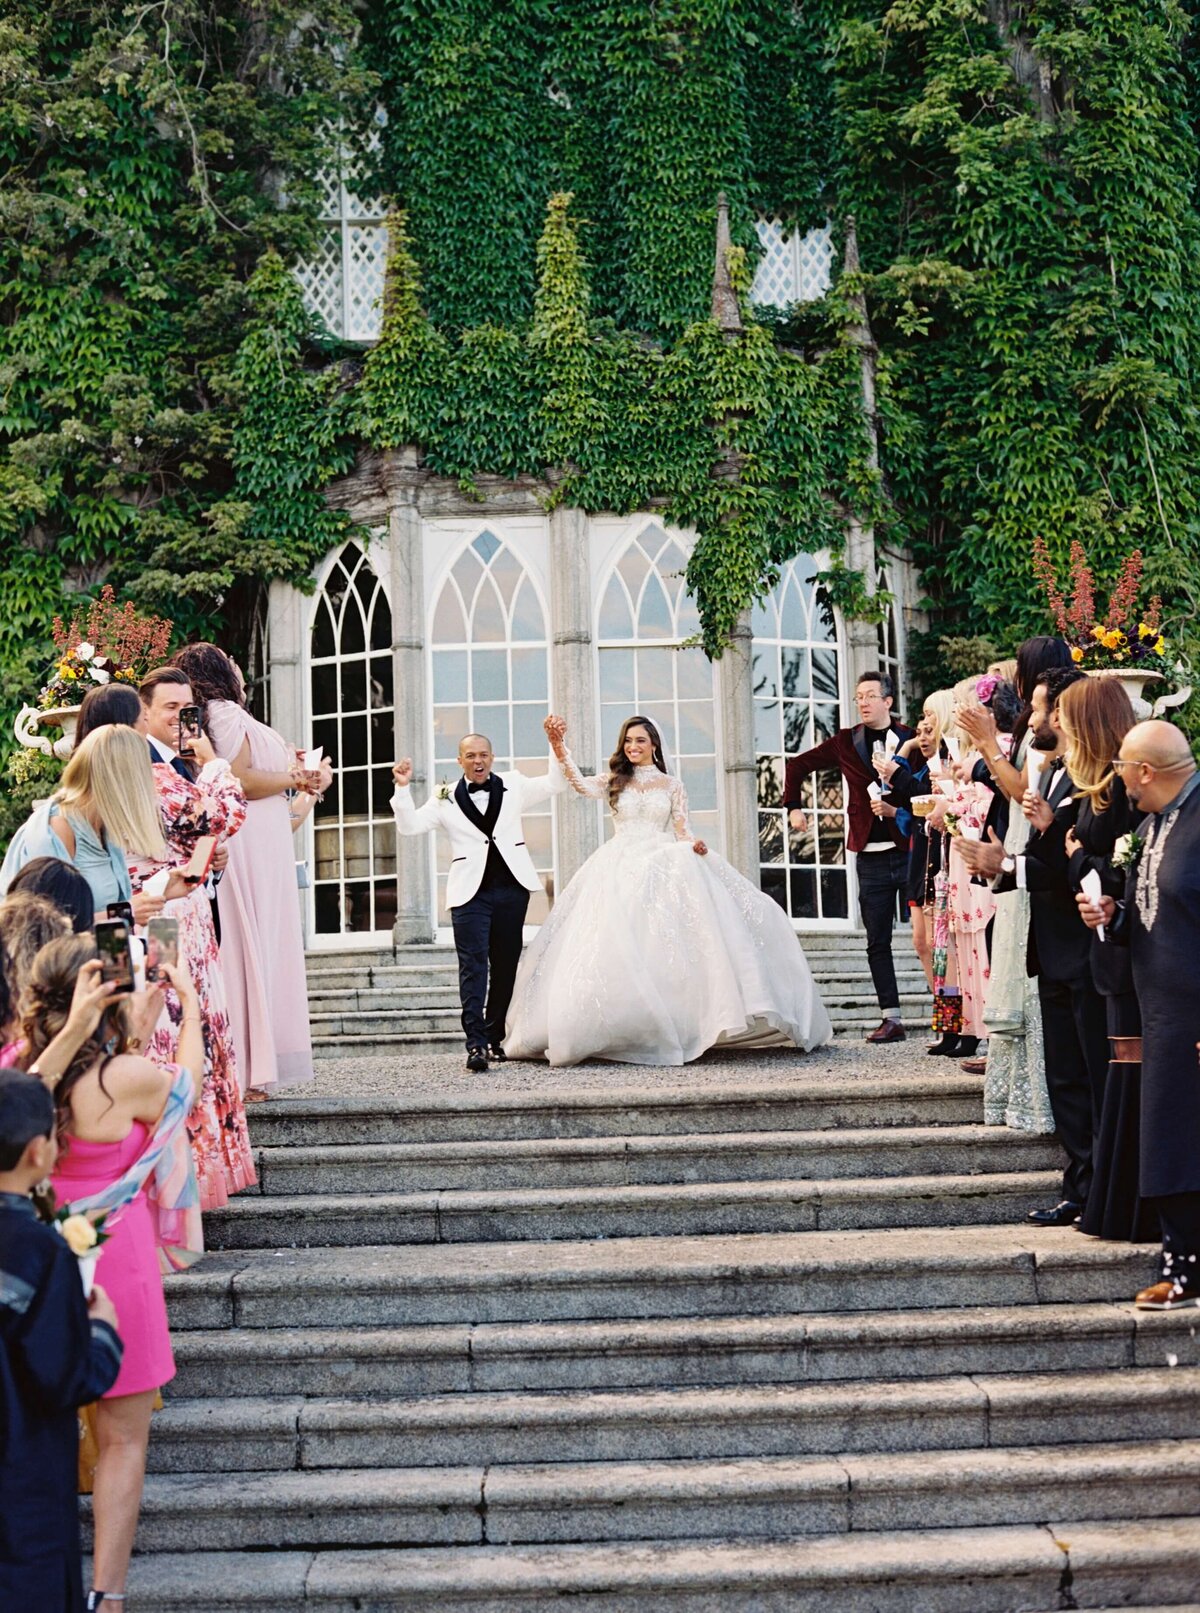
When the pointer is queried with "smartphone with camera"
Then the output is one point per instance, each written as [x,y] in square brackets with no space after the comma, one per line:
[116,956]
[189,728]
[121,910]
[197,866]
[162,946]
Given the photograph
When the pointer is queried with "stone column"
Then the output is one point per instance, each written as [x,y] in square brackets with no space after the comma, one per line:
[414,887]
[736,674]
[287,625]
[574,678]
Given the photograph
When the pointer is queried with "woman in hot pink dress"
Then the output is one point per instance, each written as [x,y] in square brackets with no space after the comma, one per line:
[262,946]
[109,1106]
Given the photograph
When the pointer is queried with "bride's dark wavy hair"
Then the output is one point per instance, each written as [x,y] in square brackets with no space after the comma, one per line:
[620,768]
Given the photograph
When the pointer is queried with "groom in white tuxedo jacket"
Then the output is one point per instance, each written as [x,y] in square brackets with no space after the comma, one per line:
[490,880]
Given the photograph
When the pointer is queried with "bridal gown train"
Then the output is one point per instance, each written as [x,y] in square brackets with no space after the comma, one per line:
[653,954]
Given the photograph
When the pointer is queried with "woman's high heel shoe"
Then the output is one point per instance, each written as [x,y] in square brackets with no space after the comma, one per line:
[946,1048]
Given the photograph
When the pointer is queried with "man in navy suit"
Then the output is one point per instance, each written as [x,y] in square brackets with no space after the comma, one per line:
[164,693]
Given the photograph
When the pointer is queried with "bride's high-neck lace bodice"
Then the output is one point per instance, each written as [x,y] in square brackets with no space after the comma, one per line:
[652,802]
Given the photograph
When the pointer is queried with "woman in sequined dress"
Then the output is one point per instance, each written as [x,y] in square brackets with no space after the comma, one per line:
[658,949]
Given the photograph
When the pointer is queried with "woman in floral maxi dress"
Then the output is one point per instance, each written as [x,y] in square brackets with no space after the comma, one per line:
[213,804]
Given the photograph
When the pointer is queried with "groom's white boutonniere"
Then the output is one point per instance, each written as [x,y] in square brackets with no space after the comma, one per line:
[443,791]
[1127,850]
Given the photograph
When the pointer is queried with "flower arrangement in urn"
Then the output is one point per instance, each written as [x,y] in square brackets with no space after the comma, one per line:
[1125,640]
[112,643]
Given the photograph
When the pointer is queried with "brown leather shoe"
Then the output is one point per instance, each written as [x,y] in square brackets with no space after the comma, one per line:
[1165,1296]
[974,1066]
[890,1031]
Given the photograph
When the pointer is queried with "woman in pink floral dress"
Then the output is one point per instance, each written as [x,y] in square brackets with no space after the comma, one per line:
[212,804]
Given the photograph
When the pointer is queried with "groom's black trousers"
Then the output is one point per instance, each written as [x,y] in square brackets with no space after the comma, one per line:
[487,936]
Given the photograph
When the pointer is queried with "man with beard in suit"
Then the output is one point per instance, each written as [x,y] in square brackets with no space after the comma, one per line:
[1074,1024]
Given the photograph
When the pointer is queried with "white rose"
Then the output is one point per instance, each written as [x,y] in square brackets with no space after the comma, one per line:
[1122,846]
[85,651]
[79,1233]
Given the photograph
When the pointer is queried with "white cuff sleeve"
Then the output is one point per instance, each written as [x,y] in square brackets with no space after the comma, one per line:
[1021,873]
[212,770]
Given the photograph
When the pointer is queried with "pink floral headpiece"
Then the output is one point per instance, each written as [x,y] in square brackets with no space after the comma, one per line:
[985,688]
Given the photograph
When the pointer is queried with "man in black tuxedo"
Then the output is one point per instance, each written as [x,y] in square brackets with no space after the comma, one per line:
[1074,1026]
[880,848]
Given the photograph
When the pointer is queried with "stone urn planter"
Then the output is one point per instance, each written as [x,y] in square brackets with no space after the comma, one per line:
[31,719]
[1135,680]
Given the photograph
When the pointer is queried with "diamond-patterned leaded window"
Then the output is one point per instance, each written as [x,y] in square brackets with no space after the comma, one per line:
[343,280]
[795,267]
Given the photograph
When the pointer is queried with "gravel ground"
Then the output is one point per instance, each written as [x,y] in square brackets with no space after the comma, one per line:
[845,1058]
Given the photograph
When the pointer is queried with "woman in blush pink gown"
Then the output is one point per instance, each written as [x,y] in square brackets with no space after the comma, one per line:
[262,946]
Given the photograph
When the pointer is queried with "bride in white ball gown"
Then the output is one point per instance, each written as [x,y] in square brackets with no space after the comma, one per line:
[658,949]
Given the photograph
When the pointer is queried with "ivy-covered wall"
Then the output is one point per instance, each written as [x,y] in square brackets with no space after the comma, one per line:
[1022,178]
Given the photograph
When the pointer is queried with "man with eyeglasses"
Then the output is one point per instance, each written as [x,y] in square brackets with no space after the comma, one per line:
[1160,920]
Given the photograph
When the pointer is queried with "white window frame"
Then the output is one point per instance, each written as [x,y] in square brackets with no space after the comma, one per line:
[342,940]
[630,535]
[808,257]
[776,643]
[464,540]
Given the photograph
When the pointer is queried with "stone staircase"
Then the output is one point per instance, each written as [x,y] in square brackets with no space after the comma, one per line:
[750,1348]
[373,1003]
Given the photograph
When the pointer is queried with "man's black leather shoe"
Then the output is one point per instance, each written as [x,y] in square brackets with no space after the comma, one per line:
[497,1055]
[1061,1215]
[477,1060]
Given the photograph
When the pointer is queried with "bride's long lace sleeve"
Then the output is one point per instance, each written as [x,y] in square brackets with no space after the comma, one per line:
[679,811]
[596,788]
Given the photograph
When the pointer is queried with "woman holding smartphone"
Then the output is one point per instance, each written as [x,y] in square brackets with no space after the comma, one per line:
[262,947]
[117,1113]
[103,814]
[190,810]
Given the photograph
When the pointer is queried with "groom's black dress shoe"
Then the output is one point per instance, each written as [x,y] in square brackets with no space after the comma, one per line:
[477,1060]
[1061,1215]
[497,1055]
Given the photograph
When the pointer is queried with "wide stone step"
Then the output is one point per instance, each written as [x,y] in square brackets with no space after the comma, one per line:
[688,1209]
[805,1103]
[632,1161]
[1150,1563]
[557,1502]
[670,1353]
[383,1021]
[431,1043]
[747,1274]
[951,1413]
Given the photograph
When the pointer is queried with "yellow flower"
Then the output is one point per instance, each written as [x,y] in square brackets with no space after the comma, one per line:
[1160,646]
[1077,654]
[1145,632]
[1113,639]
[1098,630]
[79,1233]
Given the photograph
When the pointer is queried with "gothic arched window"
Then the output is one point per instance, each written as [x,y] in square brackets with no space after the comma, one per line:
[797,675]
[354,877]
[491,675]
[646,614]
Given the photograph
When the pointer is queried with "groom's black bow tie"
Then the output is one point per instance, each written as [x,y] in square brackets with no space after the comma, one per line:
[486,785]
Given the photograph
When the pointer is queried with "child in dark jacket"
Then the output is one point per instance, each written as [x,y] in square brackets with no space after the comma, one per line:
[59,1352]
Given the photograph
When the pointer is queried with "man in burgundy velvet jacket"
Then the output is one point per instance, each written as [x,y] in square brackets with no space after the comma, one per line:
[881,849]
